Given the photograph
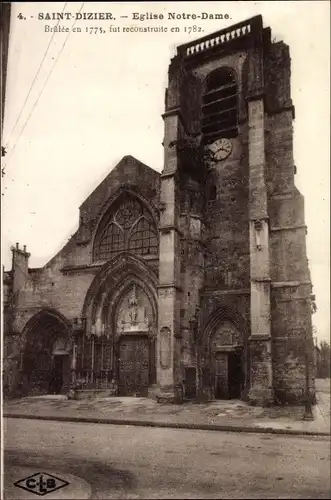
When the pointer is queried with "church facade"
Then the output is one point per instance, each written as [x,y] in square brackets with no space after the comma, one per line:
[192,282]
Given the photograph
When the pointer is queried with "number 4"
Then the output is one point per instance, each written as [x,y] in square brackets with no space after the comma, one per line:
[20,16]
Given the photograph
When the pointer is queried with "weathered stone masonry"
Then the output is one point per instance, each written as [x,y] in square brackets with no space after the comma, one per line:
[189,283]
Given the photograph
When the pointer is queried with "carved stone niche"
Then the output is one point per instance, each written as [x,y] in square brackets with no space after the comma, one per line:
[258,225]
[165,347]
[258,229]
[134,312]
[225,335]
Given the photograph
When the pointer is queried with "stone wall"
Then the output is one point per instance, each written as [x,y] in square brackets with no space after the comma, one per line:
[62,284]
[227,252]
[232,234]
[289,272]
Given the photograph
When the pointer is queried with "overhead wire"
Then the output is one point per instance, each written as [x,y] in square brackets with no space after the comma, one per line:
[36,76]
[43,88]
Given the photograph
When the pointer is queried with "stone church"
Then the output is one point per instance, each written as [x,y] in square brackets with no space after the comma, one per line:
[192,282]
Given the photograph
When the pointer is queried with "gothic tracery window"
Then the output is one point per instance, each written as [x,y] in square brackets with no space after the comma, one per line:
[128,226]
[219,105]
[111,241]
[143,239]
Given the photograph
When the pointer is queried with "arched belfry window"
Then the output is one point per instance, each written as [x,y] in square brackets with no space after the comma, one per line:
[128,225]
[220,105]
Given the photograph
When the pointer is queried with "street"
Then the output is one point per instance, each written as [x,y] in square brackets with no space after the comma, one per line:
[139,462]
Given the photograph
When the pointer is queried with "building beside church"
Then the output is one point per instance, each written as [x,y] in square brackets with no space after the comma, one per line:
[192,282]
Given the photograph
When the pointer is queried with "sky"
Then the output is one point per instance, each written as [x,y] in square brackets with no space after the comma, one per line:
[100,96]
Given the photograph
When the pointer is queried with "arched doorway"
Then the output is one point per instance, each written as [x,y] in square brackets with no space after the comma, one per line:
[116,352]
[47,355]
[223,356]
[226,351]
[135,341]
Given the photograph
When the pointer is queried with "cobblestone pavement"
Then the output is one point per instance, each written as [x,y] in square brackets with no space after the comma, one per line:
[223,413]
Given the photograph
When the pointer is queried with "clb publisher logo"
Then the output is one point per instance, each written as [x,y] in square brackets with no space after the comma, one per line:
[41,483]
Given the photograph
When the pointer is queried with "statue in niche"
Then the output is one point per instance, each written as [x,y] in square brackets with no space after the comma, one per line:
[133,314]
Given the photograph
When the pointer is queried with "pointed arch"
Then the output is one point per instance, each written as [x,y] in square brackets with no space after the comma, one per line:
[116,226]
[224,354]
[47,333]
[111,278]
[47,316]
[221,314]
[127,284]
[117,330]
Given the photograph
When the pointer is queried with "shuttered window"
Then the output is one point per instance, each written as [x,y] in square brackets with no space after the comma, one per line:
[220,106]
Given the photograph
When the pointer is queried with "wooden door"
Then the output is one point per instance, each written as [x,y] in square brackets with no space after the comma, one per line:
[133,366]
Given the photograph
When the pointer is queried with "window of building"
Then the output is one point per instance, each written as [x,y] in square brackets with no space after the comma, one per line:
[128,226]
[220,105]
[111,242]
[143,240]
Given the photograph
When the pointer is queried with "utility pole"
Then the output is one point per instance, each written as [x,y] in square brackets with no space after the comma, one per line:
[308,414]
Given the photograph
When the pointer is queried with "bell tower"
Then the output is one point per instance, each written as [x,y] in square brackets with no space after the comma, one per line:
[232,232]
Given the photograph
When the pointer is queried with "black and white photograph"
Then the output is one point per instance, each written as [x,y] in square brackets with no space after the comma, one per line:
[165,204]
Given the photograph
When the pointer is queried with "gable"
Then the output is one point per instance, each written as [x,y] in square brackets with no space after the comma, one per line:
[129,174]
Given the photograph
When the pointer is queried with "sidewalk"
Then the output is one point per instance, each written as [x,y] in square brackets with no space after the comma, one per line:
[231,415]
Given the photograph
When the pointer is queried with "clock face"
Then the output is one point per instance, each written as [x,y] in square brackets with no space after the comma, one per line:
[221,149]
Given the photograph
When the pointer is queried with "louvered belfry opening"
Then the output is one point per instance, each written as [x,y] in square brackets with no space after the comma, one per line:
[219,106]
